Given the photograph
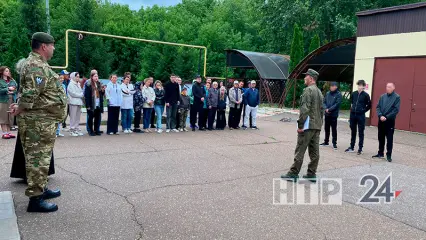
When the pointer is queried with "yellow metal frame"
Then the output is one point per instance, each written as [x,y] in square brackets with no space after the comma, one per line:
[128,38]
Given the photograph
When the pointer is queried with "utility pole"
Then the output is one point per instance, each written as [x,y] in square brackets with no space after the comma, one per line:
[48,16]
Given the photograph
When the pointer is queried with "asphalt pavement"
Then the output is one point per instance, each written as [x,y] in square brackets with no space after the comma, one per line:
[218,185]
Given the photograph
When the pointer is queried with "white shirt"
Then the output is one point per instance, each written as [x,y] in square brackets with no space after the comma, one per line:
[113,94]
[127,91]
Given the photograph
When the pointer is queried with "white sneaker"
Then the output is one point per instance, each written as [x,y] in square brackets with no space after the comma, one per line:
[185,130]
[80,133]
[110,133]
[74,134]
[180,130]
[60,135]
[175,130]
[126,131]
[160,130]
[129,130]
[168,130]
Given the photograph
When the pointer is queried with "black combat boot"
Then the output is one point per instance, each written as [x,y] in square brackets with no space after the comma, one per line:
[37,204]
[49,194]
[310,177]
[291,177]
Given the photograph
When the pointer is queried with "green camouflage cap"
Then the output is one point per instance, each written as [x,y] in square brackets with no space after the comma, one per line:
[43,37]
[311,72]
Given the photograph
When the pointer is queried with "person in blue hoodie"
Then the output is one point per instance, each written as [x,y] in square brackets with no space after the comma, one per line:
[331,106]
[252,98]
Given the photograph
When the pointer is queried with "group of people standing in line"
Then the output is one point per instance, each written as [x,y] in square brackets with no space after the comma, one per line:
[138,103]
[46,98]
[314,109]
[387,109]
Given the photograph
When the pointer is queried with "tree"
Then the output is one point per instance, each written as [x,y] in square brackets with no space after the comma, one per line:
[297,51]
[315,43]
[33,16]
[296,55]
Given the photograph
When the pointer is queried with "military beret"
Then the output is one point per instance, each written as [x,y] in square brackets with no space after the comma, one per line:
[311,72]
[43,37]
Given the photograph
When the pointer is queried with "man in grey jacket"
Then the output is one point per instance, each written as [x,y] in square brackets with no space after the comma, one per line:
[212,100]
[387,110]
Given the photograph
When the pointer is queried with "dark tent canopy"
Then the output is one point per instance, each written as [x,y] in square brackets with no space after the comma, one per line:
[269,66]
[334,61]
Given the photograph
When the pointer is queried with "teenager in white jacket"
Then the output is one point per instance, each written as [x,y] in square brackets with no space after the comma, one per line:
[127,91]
[75,101]
[114,97]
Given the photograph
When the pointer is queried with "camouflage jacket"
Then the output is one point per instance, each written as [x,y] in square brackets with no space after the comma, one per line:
[41,95]
[311,104]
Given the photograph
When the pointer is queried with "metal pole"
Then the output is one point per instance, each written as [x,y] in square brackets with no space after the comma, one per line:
[77,53]
[48,16]
[127,38]
[294,93]
[199,62]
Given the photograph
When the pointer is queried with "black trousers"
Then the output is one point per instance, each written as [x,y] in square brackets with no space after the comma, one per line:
[386,131]
[196,110]
[177,120]
[244,115]
[238,116]
[94,117]
[113,116]
[357,120]
[212,116]
[192,115]
[221,119]
[137,120]
[152,119]
[330,122]
[203,117]
[234,119]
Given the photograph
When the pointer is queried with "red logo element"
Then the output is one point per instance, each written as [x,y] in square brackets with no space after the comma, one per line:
[397,193]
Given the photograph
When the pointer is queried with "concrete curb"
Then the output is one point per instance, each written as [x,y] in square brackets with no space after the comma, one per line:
[8,220]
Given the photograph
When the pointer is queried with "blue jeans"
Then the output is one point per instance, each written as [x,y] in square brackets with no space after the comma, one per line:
[126,118]
[58,130]
[87,122]
[171,116]
[146,117]
[159,110]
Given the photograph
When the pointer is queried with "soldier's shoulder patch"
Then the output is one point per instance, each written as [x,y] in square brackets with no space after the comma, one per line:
[39,80]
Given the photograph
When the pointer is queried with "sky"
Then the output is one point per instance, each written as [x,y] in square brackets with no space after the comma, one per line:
[137,4]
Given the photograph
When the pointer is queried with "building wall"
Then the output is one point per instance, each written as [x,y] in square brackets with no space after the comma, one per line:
[391,45]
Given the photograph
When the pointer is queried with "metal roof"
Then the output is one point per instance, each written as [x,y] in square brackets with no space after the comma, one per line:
[268,65]
[392,9]
[333,61]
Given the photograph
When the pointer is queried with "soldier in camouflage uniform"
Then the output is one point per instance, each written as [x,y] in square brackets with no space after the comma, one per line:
[41,105]
[308,136]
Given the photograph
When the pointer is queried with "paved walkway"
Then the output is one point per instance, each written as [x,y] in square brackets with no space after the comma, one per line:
[217,185]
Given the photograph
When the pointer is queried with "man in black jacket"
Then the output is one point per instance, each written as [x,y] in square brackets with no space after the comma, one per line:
[361,103]
[331,104]
[171,98]
[387,109]
[199,93]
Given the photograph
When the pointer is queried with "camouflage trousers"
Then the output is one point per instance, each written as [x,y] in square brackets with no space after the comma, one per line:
[306,140]
[38,138]
[183,115]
